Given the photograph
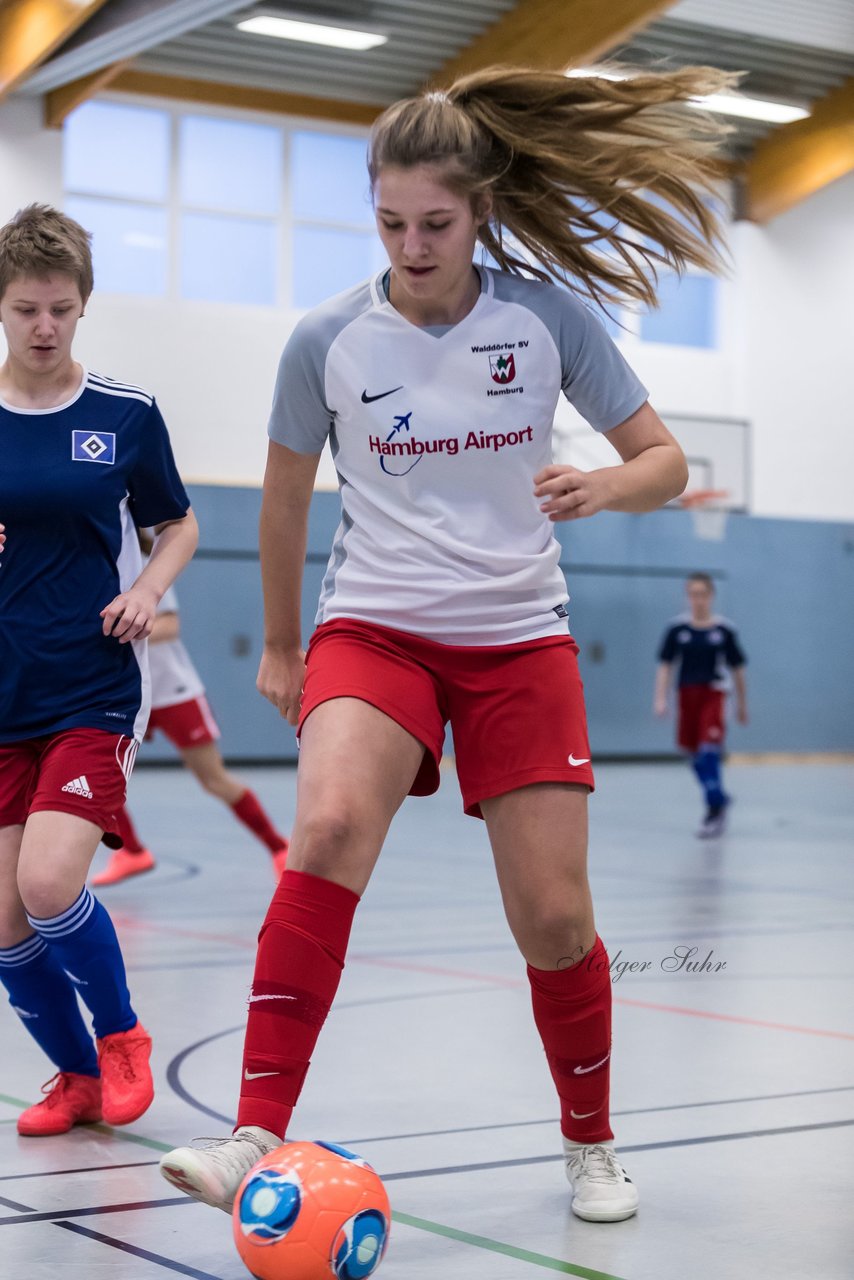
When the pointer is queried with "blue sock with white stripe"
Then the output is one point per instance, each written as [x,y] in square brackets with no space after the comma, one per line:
[42,995]
[84,941]
[707,766]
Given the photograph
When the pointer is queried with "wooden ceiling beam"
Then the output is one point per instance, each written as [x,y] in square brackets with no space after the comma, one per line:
[246,97]
[31,30]
[553,34]
[799,159]
[59,103]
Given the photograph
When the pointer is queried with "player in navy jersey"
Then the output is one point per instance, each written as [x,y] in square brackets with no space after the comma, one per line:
[704,651]
[180,710]
[83,458]
[436,384]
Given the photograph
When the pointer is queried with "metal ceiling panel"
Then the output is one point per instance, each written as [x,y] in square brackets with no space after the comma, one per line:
[120,30]
[788,51]
[423,35]
[772,68]
[818,24]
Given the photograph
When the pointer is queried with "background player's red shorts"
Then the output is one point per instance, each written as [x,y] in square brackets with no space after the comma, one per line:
[701,717]
[79,771]
[516,710]
[186,724]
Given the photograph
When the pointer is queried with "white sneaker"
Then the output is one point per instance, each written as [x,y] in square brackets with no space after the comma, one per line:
[603,1191]
[714,822]
[214,1172]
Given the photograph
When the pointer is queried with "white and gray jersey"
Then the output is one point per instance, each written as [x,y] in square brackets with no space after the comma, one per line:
[173,677]
[436,436]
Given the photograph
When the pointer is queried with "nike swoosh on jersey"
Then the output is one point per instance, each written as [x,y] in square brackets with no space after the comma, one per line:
[583,1115]
[256,1075]
[366,399]
[254,999]
[570,759]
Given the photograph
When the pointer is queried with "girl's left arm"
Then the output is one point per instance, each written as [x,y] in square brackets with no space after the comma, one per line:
[131,615]
[740,695]
[653,471]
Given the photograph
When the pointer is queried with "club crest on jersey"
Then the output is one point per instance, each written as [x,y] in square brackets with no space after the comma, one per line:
[93,446]
[502,366]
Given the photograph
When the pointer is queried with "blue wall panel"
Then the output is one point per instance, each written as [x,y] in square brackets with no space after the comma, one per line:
[787,584]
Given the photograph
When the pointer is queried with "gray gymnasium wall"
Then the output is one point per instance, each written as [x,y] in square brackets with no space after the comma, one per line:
[787,584]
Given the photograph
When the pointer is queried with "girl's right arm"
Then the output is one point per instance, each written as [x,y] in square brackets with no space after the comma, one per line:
[288,486]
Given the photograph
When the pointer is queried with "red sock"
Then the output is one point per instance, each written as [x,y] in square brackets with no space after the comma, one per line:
[301,949]
[572,1010]
[126,832]
[250,813]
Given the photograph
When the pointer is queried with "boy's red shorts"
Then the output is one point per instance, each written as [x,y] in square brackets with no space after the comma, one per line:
[185,724]
[701,717]
[516,710]
[79,771]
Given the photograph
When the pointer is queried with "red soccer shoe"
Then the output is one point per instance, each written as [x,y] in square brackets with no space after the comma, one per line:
[122,865]
[71,1099]
[126,1085]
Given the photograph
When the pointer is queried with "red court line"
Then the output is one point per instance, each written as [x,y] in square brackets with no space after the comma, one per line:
[230,939]
[466,974]
[384,963]
[732,1017]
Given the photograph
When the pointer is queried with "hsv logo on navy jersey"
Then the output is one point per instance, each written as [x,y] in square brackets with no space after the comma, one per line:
[71,548]
[93,446]
[502,366]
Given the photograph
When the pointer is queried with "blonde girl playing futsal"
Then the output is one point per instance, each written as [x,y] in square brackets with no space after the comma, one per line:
[436,383]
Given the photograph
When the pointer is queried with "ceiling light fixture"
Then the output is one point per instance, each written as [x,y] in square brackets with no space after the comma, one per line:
[728,104]
[734,104]
[310,32]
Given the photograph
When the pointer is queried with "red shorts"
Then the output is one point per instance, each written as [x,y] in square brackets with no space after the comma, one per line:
[701,717]
[185,724]
[79,771]
[516,710]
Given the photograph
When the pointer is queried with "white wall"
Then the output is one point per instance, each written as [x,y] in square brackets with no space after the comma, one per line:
[785,360]
[796,282]
[211,367]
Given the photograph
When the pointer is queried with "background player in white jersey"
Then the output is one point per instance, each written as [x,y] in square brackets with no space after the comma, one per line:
[83,457]
[436,383]
[180,710]
[704,652]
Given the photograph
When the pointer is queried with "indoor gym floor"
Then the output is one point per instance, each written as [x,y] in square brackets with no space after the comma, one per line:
[733,1090]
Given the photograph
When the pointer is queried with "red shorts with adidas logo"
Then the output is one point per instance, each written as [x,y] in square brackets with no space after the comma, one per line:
[79,771]
[516,710]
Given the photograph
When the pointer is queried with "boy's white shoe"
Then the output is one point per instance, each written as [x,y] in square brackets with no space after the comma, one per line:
[602,1190]
[213,1173]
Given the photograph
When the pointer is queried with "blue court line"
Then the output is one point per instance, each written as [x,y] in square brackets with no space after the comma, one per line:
[173,1071]
[354,1143]
[13,1204]
[27,1214]
[59,1218]
[91,1211]
[169,1263]
[524,1161]
[61,1173]
[554,1264]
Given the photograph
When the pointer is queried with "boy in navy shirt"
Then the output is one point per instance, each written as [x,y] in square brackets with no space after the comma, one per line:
[85,459]
[710,660]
